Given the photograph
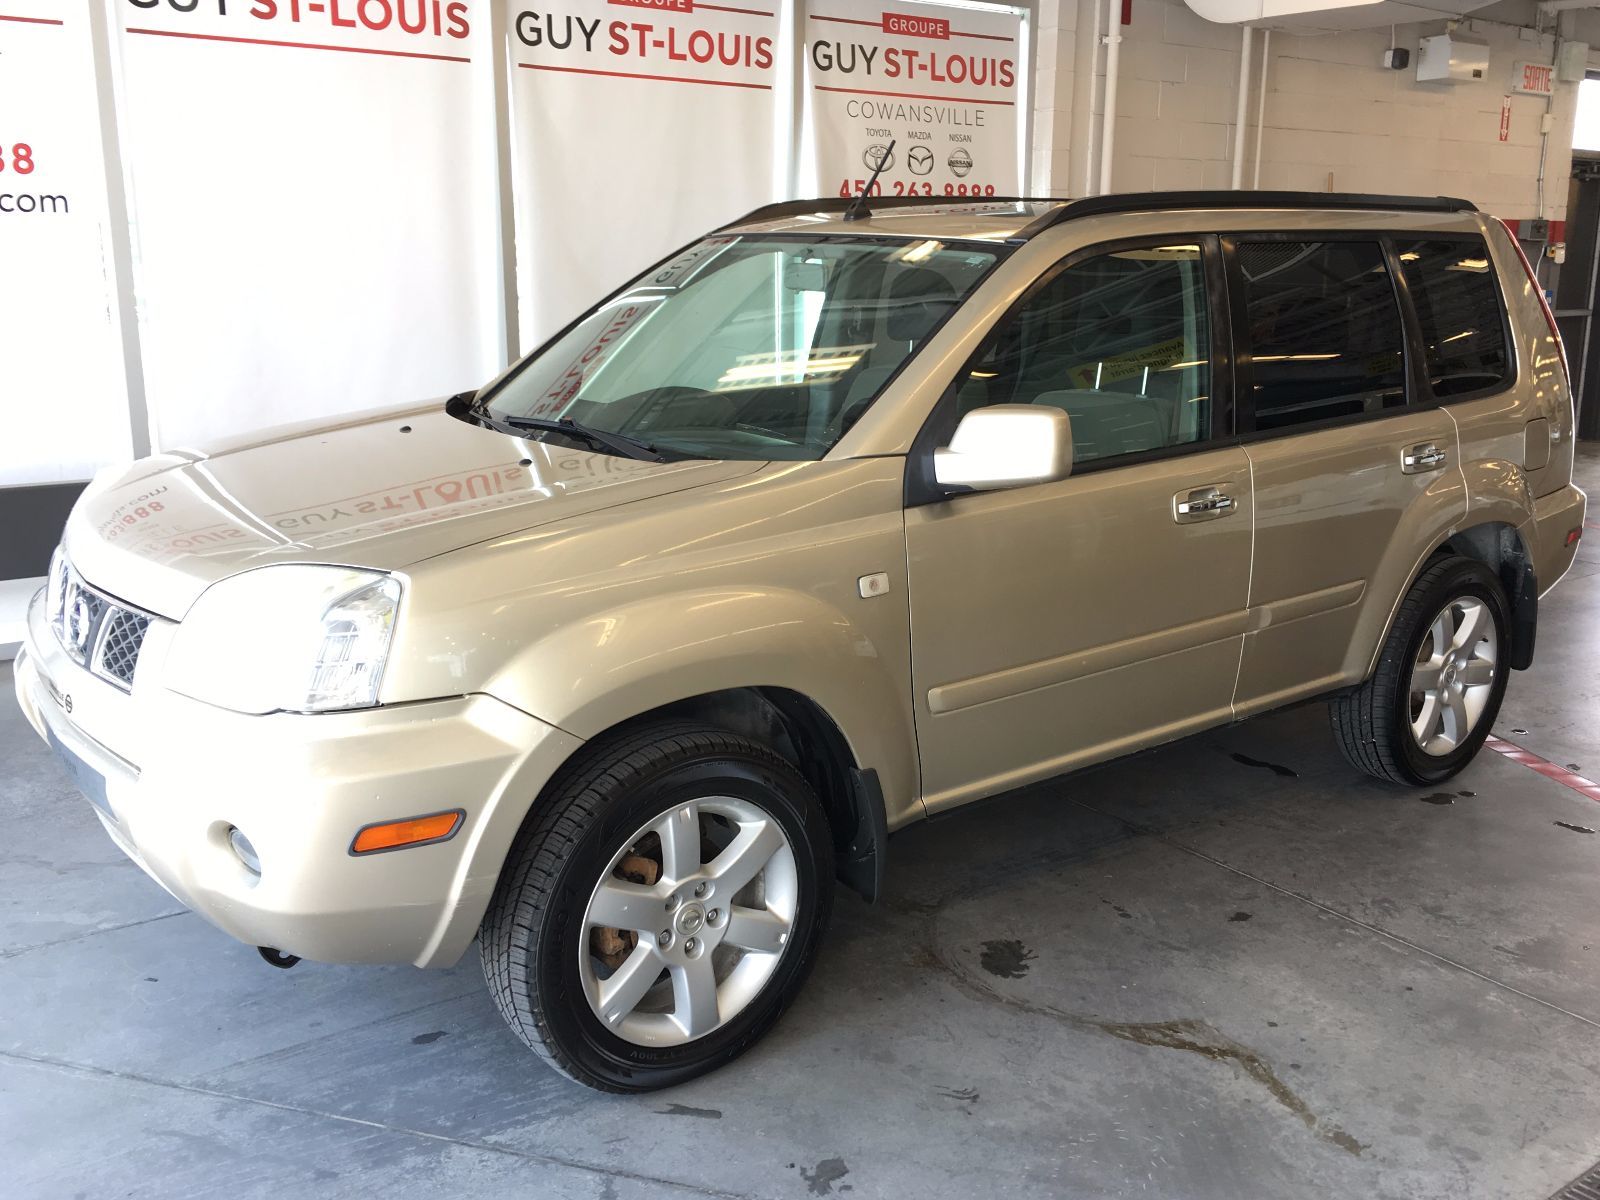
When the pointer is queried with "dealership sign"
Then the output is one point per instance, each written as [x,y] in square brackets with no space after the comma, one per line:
[306,229]
[666,104]
[943,86]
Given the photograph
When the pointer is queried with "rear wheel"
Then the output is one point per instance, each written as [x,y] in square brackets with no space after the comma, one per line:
[660,911]
[1440,679]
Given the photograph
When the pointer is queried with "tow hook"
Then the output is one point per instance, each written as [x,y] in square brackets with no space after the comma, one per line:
[277,957]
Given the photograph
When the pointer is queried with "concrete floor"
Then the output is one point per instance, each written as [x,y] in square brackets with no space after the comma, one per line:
[1232,968]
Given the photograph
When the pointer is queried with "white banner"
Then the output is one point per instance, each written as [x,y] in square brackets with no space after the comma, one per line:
[944,84]
[63,396]
[314,207]
[637,125]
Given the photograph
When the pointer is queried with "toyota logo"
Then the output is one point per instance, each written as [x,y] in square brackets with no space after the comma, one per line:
[877,155]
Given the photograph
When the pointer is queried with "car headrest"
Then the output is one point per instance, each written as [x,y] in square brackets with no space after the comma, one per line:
[918,299]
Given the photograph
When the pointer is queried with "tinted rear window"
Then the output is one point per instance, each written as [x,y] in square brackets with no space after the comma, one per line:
[1325,337]
[1458,309]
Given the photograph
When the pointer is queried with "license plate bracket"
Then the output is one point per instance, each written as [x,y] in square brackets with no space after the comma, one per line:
[90,782]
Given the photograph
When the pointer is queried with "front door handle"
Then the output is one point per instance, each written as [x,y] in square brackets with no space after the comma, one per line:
[1201,504]
[1426,456]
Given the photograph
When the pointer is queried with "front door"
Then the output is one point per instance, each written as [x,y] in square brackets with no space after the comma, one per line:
[1064,622]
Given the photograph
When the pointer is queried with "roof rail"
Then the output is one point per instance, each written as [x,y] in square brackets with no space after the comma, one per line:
[1133,202]
[831,204]
[1127,202]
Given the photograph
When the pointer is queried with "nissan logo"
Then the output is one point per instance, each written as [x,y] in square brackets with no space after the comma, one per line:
[81,622]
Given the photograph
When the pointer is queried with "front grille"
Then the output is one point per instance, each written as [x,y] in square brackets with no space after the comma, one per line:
[120,642]
[96,631]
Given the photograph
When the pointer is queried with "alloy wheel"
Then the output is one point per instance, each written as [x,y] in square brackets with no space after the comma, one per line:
[689,921]
[1453,676]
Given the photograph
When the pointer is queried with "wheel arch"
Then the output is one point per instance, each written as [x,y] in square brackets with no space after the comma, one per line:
[805,734]
[1501,547]
[794,725]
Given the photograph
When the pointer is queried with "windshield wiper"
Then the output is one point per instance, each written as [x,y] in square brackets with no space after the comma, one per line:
[600,439]
[463,406]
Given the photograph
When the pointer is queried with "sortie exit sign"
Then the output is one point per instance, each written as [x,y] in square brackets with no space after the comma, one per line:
[1533,79]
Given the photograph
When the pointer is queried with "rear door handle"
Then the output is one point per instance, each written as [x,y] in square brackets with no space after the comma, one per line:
[1201,504]
[1426,456]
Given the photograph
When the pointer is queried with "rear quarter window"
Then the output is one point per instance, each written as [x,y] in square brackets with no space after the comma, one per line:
[1459,314]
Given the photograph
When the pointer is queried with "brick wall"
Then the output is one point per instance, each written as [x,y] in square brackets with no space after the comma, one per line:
[1055,31]
[1336,119]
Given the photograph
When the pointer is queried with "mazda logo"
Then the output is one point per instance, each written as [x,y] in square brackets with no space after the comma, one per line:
[920,160]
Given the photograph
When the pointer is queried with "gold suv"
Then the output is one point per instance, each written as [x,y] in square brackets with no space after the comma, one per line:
[832,520]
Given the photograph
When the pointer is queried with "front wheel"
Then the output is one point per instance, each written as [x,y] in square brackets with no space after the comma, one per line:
[661,909]
[1440,678]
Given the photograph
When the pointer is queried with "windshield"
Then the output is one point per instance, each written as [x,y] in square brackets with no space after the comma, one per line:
[754,348]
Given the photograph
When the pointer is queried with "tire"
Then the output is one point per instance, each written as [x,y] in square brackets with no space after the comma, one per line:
[1374,723]
[542,956]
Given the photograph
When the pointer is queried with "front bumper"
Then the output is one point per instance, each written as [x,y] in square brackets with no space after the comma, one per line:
[184,774]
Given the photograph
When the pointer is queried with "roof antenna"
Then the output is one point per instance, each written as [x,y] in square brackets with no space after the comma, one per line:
[858,209]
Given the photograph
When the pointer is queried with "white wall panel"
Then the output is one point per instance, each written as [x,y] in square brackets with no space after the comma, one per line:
[62,394]
[312,208]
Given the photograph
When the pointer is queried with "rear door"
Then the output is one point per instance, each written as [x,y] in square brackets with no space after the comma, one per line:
[1355,467]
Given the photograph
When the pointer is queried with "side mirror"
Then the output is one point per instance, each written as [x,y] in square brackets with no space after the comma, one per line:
[1006,445]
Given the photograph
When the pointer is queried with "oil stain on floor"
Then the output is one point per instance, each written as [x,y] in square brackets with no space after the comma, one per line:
[1006,958]
[821,1178]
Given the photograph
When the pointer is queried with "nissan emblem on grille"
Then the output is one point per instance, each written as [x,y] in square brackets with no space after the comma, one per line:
[84,610]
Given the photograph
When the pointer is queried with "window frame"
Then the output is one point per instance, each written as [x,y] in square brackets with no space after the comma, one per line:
[1513,355]
[1420,396]
[939,426]
[1239,319]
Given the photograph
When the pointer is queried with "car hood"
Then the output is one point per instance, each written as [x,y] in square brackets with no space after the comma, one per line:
[383,491]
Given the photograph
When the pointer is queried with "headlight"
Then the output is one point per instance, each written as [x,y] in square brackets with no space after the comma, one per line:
[291,637]
[56,592]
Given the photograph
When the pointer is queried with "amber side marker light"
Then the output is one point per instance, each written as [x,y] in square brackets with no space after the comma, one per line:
[413,831]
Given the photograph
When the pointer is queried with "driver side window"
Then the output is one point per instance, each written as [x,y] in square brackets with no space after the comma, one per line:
[1120,341]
